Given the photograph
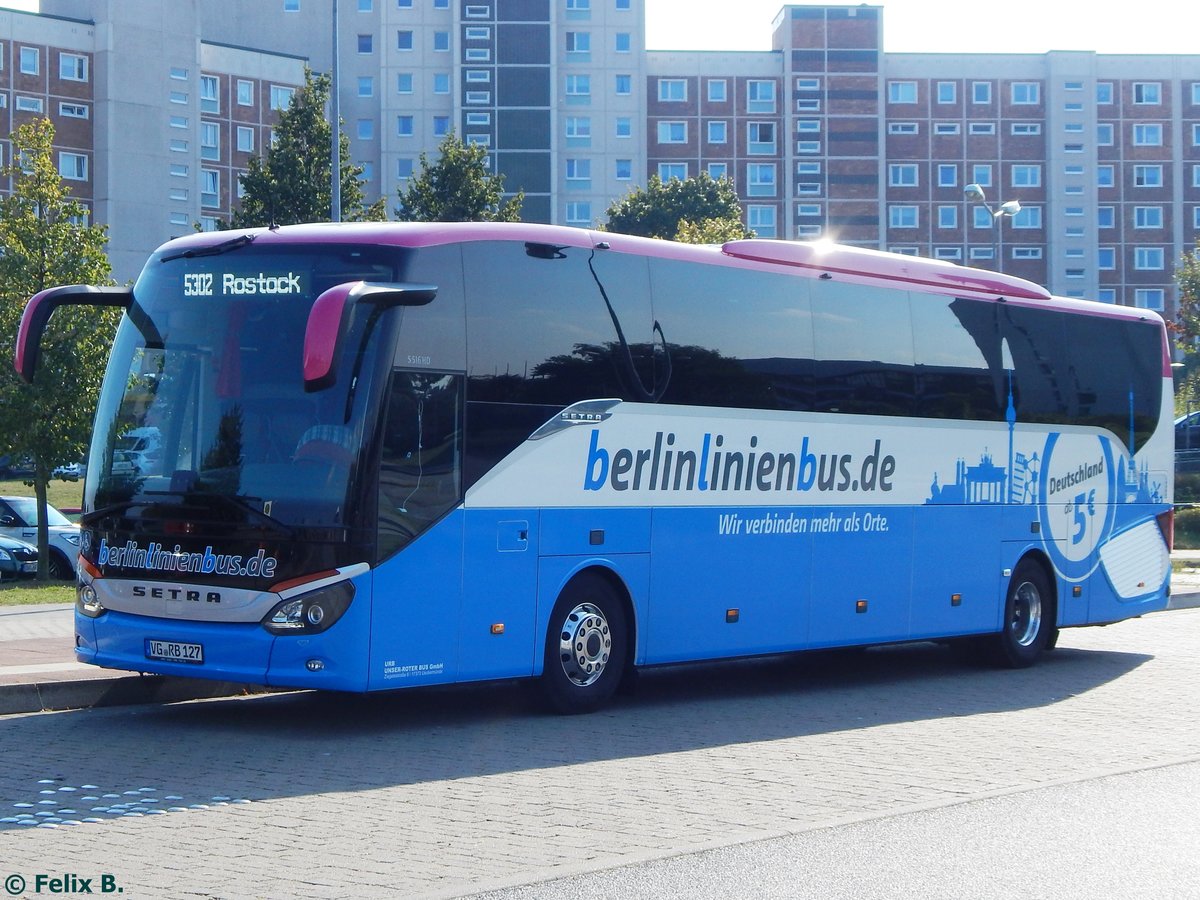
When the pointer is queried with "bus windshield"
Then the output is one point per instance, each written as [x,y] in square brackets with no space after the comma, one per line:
[205,396]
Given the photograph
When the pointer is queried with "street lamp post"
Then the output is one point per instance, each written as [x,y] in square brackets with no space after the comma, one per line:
[974,194]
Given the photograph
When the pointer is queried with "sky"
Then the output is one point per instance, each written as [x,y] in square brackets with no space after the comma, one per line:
[943,26]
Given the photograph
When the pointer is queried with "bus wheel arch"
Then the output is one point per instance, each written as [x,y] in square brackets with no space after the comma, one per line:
[589,642]
[1030,623]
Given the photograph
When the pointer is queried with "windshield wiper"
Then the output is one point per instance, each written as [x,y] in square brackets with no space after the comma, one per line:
[215,250]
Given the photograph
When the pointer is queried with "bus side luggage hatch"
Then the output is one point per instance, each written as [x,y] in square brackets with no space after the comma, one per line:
[512,536]
[330,314]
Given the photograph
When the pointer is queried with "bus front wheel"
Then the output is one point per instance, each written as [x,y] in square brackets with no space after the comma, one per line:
[1028,618]
[585,647]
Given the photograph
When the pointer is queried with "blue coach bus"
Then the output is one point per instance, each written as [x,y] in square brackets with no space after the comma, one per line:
[390,455]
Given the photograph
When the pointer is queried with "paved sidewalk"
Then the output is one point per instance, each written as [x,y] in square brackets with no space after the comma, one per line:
[38,669]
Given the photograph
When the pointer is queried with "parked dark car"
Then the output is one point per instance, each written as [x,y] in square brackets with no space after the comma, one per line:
[17,559]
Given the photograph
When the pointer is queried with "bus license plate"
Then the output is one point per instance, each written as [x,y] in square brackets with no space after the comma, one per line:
[174,651]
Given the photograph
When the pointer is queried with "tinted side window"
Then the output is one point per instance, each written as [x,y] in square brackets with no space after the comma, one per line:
[737,338]
[864,350]
[958,358]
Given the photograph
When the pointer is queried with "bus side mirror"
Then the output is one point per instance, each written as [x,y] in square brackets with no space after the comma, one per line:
[330,315]
[37,314]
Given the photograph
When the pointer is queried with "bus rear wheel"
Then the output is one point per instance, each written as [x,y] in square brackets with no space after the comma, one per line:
[585,647]
[1028,618]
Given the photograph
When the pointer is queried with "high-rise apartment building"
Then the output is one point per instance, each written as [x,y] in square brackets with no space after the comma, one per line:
[160,107]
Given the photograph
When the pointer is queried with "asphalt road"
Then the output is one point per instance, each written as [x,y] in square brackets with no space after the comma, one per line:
[446,793]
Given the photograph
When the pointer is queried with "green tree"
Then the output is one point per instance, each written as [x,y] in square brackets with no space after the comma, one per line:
[457,188]
[44,244]
[709,205]
[711,231]
[291,184]
[1187,325]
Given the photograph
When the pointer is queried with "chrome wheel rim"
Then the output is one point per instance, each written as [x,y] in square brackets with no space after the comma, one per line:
[1026,619]
[585,644]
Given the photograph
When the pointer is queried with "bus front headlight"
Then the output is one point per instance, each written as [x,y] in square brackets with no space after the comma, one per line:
[312,612]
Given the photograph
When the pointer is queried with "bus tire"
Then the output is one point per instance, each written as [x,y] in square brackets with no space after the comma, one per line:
[1028,618]
[585,647]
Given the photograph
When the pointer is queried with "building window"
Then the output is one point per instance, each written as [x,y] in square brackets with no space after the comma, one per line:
[902,92]
[478,54]
[1147,134]
[72,67]
[366,43]
[281,97]
[902,175]
[947,128]
[579,85]
[622,4]
[404,169]
[1147,92]
[1147,176]
[210,140]
[245,139]
[1150,298]
[718,170]
[672,132]
[1104,134]
[1104,92]
[1026,176]
[441,125]
[245,92]
[947,175]
[73,166]
[1026,93]
[404,40]
[981,218]
[981,128]
[29,104]
[579,212]
[900,128]
[404,83]
[404,126]
[947,216]
[672,90]
[947,252]
[477,76]
[210,187]
[70,110]
[1106,258]
[902,216]
[947,91]
[578,127]
[579,5]
[1028,217]
[1105,176]
[30,60]
[760,96]
[761,138]
[624,127]
[365,129]
[1027,253]
[623,42]
[761,220]
[579,169]
[760,178]
[981,92]
[624,169]
[717,132]
[1147,217]
[579,42]
[1026,128]
[1148,258]
[717,90]
[981,174]
[366,86]
[441,82]
[624,85]
[807,210]
[441,41]
[667,171]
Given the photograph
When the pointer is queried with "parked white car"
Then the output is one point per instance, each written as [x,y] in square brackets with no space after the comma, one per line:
[18,519]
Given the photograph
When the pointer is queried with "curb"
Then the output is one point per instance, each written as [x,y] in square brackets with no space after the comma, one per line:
[122,690]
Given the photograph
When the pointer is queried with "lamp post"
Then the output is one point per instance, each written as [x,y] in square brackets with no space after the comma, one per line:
[335,119]
[974,194]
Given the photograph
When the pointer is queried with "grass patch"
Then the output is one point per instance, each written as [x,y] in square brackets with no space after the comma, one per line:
[26,593]
[58,493]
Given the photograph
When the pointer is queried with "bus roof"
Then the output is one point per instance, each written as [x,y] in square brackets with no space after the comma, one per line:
[813,259]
